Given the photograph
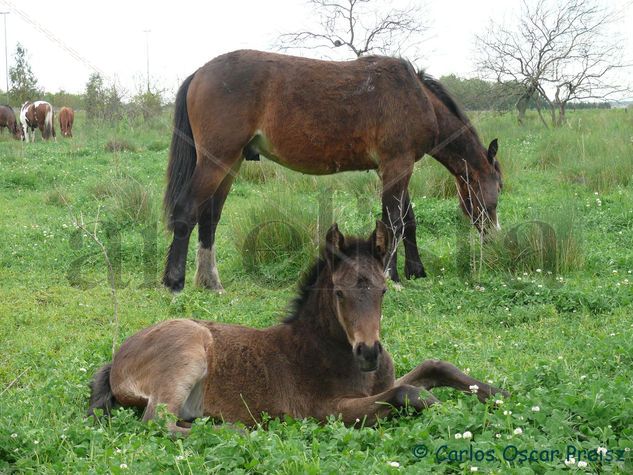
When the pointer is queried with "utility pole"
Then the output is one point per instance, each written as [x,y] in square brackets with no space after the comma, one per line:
[147,32]
[6,54]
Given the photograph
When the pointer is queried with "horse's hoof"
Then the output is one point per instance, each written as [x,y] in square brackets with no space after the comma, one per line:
[174,285]
[414,270]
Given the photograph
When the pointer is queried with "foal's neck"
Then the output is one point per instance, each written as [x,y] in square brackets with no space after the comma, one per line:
[317,314]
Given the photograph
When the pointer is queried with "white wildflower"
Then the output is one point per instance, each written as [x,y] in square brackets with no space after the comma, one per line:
[602,450]
[535,409]
[123,466]
[458,436]
[393,464]
[582,464]
[518,431]
[507,413]
[498,402]
[14,435]
[498,436]
[474,469]
[473,388]
[570,461]
[467,435]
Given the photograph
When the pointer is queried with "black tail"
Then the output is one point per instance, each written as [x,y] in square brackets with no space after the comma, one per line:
[182,157]
[101,396]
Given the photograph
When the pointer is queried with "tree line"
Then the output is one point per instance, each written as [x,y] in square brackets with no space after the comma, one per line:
[102,100]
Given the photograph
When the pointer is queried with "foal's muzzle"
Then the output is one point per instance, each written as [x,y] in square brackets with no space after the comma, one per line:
[367,356]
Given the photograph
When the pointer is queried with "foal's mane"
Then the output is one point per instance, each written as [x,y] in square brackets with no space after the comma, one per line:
[353,247]
[444,96]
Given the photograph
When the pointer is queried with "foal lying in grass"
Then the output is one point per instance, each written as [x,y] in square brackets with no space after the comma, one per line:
[324,359]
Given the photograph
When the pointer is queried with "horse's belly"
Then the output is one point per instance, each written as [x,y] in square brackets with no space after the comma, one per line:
[316,155]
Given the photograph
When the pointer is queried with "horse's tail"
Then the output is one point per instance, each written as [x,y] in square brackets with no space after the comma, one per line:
[182,157]
[48,123]
[101,396]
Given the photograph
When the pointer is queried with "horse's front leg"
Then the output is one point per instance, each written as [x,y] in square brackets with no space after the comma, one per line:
[436,373]
[395,174]
[371,408]
[413,267]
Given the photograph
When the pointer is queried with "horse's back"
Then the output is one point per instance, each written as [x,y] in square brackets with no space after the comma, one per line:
[312,115]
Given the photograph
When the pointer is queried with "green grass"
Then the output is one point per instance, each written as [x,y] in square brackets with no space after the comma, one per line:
[549,319]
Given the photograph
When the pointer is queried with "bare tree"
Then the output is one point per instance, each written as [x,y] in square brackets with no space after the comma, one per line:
[360,27]
[558,50]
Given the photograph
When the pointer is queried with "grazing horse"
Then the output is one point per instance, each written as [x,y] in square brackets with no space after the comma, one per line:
[316,117]
[324,359]
[8,120]
[66,119]
[38,114]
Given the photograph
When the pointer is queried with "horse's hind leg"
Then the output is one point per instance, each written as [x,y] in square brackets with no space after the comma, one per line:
[209,215]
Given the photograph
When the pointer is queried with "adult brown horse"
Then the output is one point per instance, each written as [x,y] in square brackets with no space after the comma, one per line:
[8,120]
[316,117]
[37,115]
[324,359]
[66,119]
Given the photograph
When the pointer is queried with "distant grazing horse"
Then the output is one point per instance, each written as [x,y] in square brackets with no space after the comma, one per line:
[66,119]
[316,117]
[38,114]
[324,359]
[8,120]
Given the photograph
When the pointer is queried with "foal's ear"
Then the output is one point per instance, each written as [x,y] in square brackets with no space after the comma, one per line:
[381,240]
[334,242]
[493,148]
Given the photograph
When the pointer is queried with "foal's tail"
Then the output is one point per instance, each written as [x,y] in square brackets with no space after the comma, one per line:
[182,158]
[101,396]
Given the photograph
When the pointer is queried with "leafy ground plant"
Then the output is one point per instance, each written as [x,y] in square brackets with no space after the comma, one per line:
[562,343]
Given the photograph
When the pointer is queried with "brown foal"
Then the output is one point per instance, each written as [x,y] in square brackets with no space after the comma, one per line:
[324,359]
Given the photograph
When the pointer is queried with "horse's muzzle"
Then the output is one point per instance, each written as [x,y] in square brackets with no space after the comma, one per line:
[367,356]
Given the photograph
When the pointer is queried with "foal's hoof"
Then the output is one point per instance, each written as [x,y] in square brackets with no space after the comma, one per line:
[414,270]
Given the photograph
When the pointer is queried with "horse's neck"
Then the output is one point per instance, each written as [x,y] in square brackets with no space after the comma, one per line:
[459,151]
[317,316]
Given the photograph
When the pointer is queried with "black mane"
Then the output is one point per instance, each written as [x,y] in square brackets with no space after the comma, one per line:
[353,247]
[444,96]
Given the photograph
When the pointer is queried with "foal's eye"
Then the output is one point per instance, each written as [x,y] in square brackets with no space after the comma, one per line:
[339,294]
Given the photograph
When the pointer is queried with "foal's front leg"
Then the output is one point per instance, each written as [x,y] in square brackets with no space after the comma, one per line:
[436,373]
[369,409]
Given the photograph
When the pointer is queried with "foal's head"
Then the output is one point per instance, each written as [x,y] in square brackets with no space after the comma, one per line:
[357,287]
[479,190]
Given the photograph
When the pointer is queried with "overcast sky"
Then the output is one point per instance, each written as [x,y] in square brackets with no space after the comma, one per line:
[67,40]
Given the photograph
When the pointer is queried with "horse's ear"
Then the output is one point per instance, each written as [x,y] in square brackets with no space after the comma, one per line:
[334,242]
[493,148]
[381,240]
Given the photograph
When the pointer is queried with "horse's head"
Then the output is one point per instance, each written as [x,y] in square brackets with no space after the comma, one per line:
[479,190]
[358,285]
[18,133]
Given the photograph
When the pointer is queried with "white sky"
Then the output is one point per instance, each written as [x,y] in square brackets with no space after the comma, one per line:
[68,39]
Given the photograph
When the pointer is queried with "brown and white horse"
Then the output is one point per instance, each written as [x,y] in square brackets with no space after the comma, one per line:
[8,120]
[66,119]
[37,115]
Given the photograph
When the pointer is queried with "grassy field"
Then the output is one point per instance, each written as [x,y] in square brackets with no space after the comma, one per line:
[544,310]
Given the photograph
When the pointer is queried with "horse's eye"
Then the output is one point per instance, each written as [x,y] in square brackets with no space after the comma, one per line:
[384,291]
[339,294]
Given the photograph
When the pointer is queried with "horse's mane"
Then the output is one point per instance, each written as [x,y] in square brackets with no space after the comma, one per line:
[353,247]
[443,95]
